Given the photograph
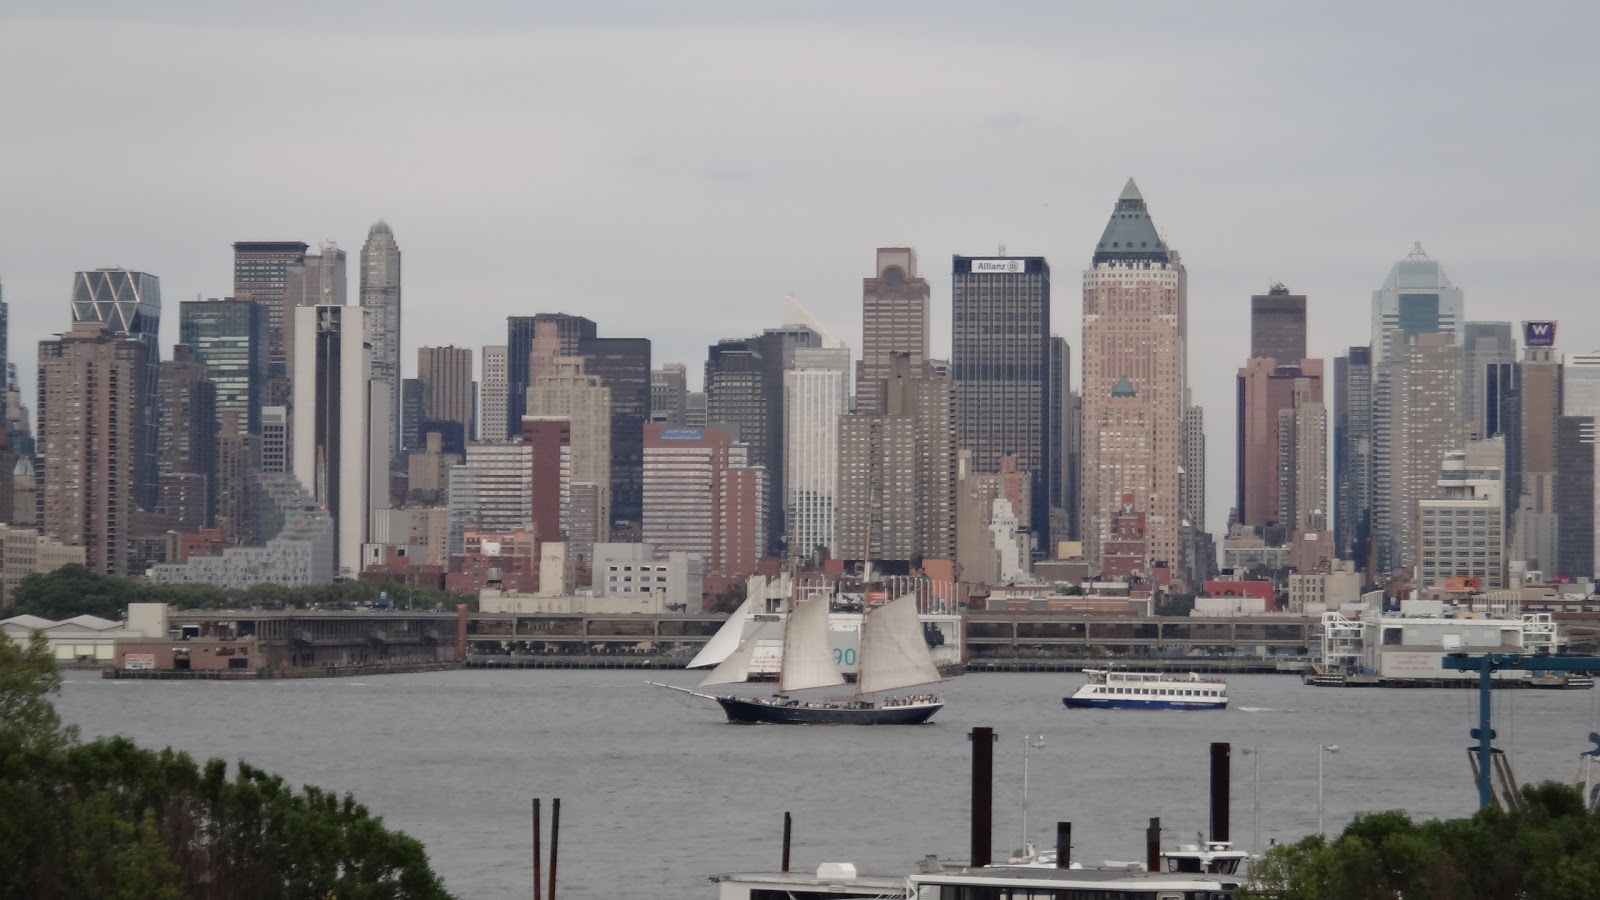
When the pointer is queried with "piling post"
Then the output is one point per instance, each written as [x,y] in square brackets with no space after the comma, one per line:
[788,822]
[1152,845]
[1063,845]
[982,795]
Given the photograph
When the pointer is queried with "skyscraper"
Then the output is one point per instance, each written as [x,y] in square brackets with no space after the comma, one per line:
[669,394]
[1000,362]
[623,367]
[1266,390]
[520,330]
[1539,404]
[1352,454]
[1278,326]
[816,394]
[1484,344]
[897,489]
[1425,376]
[701,498]
[129,304]
[260,273]
[91,433]
[492,389]
[894,319]
[572,393]
[238,482]
[317,280]
[340,430]
[1303,455]
[1134,380]
[187,443]
[230,337]
[744,393]
[380,296]
[1416,298]
[1577,498]
[446,376]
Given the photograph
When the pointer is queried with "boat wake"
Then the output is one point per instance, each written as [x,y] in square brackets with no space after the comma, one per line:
[1262,709]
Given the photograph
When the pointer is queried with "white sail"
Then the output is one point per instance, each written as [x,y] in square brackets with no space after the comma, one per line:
[735,667]
[725,641]
[807,649]
[894,654]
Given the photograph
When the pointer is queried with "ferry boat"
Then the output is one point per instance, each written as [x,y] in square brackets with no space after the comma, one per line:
[1116,689]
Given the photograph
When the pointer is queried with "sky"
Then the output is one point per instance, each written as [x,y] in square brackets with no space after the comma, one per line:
[673,170]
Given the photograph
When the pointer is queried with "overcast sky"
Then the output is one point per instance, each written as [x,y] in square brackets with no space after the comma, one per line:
[672,170]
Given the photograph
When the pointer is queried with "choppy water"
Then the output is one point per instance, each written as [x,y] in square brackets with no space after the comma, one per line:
[658,792]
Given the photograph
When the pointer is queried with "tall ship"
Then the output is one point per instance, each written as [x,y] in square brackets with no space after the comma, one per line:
[1377,647]
[763,611]
[893,658]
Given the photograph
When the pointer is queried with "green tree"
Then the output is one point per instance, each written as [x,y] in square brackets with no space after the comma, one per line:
[1547,849]
[109,819]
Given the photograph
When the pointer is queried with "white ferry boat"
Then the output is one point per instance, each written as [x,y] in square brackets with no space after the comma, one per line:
[1117,689]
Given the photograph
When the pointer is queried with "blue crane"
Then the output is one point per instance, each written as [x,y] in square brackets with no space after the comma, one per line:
[1485,665]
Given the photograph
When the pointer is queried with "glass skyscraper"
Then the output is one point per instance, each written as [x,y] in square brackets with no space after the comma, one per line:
[230,337]
[1000,360]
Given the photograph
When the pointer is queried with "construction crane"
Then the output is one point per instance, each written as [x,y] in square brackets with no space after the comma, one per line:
[1485,665]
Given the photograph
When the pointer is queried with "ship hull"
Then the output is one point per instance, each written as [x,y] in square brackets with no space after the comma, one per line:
[1096,703]
[751,712]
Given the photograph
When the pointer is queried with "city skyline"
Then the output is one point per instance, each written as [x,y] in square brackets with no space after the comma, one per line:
[1318,208]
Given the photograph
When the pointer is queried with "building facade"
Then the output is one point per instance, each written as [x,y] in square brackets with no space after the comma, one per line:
[816,395]
[260,274]
[669,394]
[91,412]
[129,304]
[1352,455]
[230,337]
[380,297]
[571,393]
[1425,376]
[1000,367]
[1278,326]
[446,376]
[187,443]
[894,320]
[897,478]
[1461,531]
[340,430]
[1134,380]
[492,387]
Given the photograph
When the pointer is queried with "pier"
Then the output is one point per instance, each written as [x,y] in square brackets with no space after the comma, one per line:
[299,643]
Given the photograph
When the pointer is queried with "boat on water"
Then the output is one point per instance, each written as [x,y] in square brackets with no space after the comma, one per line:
[894,657]
[1118,689]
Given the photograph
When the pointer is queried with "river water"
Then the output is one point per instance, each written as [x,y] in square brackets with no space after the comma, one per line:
[658,792]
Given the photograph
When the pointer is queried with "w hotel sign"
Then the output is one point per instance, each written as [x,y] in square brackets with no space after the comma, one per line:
[1538,334]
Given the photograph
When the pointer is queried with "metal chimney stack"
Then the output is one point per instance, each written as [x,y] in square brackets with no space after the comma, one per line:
[982,795]
[1221,781]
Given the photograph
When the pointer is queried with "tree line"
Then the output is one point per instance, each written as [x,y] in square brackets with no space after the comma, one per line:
[1548,849]
[74,590]
[112,820]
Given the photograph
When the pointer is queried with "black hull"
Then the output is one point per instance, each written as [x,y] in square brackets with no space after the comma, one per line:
[750,712]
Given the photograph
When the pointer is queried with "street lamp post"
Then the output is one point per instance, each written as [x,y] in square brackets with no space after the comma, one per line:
[1255,800]
[1029,742]
[1322,751]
